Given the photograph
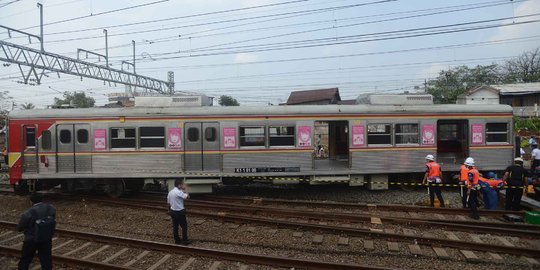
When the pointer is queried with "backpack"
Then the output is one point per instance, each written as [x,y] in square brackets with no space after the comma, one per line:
[44,227]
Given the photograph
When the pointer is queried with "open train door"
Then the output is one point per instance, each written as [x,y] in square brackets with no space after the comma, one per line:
[331,145]
[452,141]
[202,146]
[30,149]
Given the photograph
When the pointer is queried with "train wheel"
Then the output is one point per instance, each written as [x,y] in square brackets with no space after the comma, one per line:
[115,188]
[135,185]
[22,188]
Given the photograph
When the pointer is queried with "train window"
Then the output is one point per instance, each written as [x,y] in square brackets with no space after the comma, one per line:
[193,134]
[46,140]
[65,136]
[281,136]
[122,138]
[82,136]
[379,134]
[406,134]
[210,134]
[30,137]
[152,137]
[252,136]
[496,132]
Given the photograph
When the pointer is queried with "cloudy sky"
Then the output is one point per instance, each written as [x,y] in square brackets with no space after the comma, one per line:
[258,51]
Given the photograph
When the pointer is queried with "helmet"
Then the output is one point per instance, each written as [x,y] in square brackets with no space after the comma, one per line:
[491,175]
[430,157]
[469,161]
[518,159]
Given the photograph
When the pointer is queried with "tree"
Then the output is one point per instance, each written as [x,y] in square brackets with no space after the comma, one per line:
[228,101]
[524,68]
[76,99]
[456,81]
[27,106]
[6,102]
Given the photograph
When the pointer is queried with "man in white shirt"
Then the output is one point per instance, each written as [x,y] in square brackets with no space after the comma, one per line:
[535,155]
[176,198]
[532,142]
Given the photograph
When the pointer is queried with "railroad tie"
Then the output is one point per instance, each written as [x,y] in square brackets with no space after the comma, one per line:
[475,238]
[460,217]
[408,232]
[233,226]
[393,246]
[531,260]
[391,231]
[116,255]
[77,249]
[140,256]
[187,264]
[343,241]
[62,245]
[243,267]
[469,255]
[199,222]
[96,252]
[376,220]
[318,239]
[451,236]
[441,252]
[504,241]
[215,265]
[439,216]
[250,229]
[160,262]
[495,256]
[413,214]
[368,245]
[297,234]
[415,250]
[6,233]
[19,235]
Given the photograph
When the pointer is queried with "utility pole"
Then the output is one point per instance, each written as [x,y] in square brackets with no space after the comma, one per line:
[106,49]
[40,6]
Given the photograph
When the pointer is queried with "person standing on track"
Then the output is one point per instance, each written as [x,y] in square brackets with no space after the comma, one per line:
[38,224]
[515,178]
[175,199]
[472,188]
[433,177]
[535,159]
[463,179]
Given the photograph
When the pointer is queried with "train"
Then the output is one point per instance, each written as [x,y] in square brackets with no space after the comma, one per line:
[119,149]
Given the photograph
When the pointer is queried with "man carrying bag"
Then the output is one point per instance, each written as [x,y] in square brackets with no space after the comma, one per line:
[38,224]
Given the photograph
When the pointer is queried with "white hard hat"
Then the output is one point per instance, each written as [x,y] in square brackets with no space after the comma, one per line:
[430,157]
[518,159]
[469,161]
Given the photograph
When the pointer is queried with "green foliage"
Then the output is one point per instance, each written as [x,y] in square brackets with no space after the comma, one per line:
[529,124]
[76,99]
[524,68]
[5,105]
[228,101]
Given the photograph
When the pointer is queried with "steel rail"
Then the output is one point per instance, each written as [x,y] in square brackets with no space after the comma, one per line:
[203,252]
[520,251]
[58,259]
[389,207]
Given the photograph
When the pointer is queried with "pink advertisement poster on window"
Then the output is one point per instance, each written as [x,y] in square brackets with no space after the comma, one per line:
[428,134]
[477,134]
[304,136]
[229,137]
[100,139]
[358,137]
[174,138]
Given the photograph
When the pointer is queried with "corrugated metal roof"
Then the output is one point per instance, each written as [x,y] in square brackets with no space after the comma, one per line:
[518,88]
[298,97]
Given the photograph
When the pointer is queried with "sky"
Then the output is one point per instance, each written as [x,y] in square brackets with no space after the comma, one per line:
[258,51]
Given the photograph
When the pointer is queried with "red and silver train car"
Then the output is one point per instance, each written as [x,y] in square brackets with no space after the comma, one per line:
[114,149]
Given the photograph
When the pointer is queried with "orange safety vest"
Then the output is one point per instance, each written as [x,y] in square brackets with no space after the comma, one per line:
[434,169]
[474,176]
[463,173]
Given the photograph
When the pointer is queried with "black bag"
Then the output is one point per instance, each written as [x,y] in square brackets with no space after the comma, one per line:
[44,227]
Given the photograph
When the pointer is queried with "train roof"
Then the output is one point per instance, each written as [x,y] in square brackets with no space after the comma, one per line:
[258,110]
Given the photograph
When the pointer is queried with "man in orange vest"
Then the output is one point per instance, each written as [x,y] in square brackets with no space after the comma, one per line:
[472,188]
[433,177]
[463,178]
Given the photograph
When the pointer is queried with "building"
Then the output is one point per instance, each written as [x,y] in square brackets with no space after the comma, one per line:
[314,97]
[479,95]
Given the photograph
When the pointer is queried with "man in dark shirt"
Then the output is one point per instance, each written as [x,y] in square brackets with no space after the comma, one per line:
[31,243]
[515,179]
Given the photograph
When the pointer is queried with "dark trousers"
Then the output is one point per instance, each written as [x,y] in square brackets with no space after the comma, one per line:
[513,199]
[535,163]
[435,190]
[44,250]
[463,194]
[179,218]
[473,203]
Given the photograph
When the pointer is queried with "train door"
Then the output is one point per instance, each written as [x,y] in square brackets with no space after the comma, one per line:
[331,145]
[452,141]
[202,146]
[30,149]
[73,148]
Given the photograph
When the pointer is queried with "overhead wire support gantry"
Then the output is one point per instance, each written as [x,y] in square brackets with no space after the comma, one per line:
[39,61]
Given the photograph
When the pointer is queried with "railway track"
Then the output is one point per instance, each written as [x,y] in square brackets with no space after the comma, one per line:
[98,251]
[413,241]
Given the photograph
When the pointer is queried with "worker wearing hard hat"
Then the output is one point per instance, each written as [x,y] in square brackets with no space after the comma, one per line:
[463,178]
[515,178]
[472,187]
[433,178]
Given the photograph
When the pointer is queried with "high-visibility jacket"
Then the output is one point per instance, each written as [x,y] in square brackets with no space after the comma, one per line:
[433,169]
[473,178]
[463,173]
